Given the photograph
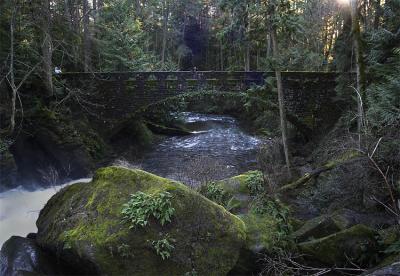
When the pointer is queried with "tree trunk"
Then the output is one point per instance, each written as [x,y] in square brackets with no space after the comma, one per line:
[360,68]
[12,79]
[247,58]
[86,37]
[269,46]
[47,50]
[378,11]
[282,111]
[165,30]
[221,55]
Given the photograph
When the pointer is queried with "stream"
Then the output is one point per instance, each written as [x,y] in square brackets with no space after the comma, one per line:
[217,148]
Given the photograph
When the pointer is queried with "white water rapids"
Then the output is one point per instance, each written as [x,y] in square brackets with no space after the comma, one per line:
[19,209]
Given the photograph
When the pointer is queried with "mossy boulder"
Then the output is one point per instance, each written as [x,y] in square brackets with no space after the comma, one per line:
[356,243]
[84,226]
[390,235]
[328,224]
[318,227]
[237,193]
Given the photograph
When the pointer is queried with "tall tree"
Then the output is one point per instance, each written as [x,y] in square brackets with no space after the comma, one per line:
[360,67]
[282,111]
[165,30]
[47,49]
[12,73]
[86,36]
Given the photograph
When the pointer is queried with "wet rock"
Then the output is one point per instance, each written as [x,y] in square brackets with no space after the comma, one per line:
[84,225]
[22,256]
[31,236]
[164,130]
[8,175]
[389,270]
[52,148]
[356,243]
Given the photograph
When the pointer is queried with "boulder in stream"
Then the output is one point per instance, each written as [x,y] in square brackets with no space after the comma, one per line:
[83,224]
[22,256]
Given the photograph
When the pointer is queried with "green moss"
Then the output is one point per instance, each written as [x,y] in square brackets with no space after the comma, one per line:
[86,219]
[241,183]
[307,178]
[357,243]
[261,231]
[389,235]
[316,228]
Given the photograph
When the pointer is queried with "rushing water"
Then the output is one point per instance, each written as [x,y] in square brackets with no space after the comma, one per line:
[218,148]
[19,209]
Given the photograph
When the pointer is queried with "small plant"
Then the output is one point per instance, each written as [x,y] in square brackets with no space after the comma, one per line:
[163,247]
[255,182]
[213,192]
[124,250]
[142,205]
[280,213]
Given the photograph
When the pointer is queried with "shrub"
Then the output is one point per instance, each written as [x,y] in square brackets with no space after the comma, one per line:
[215,192]
[255,182]
[163,247]
[280,213]
[142,205]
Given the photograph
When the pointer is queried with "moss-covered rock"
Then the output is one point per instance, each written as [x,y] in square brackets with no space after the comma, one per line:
[237,192]
[356,243]
[316,228]
[390,235]
[83,225]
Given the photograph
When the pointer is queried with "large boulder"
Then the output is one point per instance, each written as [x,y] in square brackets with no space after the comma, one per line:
[83,224]
[235,193]
[315,228]
[356,244]
[22,256]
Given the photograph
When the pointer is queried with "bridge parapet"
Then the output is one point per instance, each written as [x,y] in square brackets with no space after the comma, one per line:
[308,95]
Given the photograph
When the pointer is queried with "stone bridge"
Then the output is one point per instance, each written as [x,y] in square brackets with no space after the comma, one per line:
[308,95]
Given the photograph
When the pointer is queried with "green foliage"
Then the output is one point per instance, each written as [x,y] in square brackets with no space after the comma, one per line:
[255,182]
[163,247]
[120,43]
[384,101]
[141,206]
[280,212]
[214,191]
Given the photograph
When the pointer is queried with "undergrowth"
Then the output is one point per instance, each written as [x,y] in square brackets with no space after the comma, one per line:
[141,206]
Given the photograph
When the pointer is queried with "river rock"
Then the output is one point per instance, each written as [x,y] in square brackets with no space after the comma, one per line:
[83,224]
[357,243]
[22,256]
[389,270]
